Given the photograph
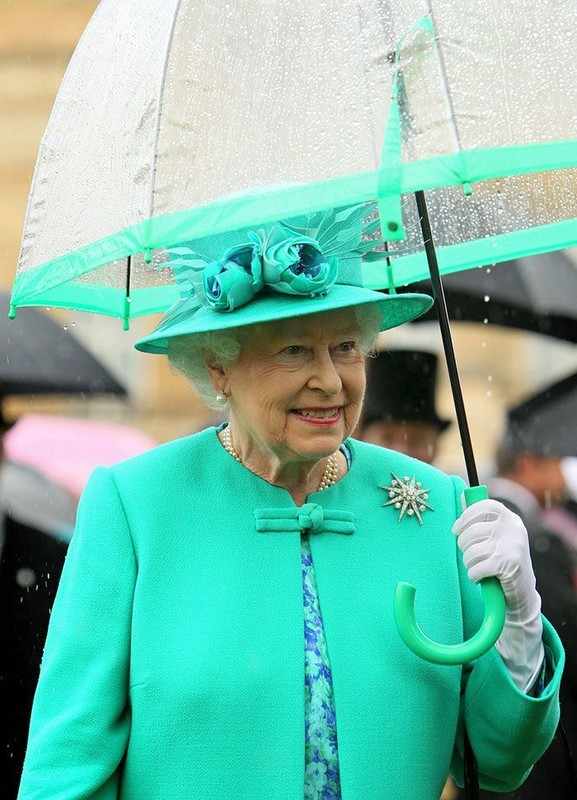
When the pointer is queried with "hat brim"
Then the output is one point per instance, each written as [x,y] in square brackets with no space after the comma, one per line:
[395,309]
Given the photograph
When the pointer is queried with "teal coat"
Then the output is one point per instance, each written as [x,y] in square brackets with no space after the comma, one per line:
[174,665]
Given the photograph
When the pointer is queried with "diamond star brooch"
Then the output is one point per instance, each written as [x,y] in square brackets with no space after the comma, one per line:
[407,496]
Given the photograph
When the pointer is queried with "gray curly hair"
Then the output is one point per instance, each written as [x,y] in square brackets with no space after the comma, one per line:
[190,354]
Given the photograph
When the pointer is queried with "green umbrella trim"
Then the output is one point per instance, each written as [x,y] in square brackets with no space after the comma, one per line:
[35,286]
[83,296]
[482,252]
[107,300]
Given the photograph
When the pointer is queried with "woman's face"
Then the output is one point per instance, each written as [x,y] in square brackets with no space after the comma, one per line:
[415,438]
[296,390]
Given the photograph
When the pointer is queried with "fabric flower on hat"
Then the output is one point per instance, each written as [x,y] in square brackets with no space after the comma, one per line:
[233,280]
[294,264]
[302,257]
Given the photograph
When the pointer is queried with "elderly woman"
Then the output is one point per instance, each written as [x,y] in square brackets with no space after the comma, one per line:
[224,625]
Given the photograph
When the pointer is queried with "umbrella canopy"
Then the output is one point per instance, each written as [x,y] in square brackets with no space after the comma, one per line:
[537,294]
[546,422]
[37,356]
[65,450]
[236,114]
[33,499]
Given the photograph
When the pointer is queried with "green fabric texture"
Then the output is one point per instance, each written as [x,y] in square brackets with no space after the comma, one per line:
[394,310]
[532,724]
[174,662]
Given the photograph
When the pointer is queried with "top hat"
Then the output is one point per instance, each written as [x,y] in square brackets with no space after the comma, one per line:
[304,265]
[401,386]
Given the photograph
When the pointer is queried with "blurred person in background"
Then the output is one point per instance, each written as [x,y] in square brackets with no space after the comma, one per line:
[533,477]
[562,517]
[539,451]
[399,411]
[31,562]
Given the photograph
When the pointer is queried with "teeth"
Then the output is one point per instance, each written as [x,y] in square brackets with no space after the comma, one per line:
[324,413]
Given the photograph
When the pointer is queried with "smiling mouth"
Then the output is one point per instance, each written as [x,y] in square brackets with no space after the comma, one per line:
[317,413]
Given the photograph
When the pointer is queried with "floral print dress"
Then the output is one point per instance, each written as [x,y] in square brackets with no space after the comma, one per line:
[322,779]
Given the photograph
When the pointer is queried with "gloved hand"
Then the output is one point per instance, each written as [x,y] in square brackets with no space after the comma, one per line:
[494,542]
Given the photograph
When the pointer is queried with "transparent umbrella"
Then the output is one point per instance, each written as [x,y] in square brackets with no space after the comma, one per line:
[235,114]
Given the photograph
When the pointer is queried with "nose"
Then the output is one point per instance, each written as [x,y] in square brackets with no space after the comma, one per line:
[324,374]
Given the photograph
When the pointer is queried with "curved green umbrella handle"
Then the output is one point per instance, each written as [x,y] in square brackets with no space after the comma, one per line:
[483,640]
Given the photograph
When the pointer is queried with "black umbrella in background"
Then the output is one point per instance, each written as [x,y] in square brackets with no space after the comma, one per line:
[548,418]
[536,294]
[38,356]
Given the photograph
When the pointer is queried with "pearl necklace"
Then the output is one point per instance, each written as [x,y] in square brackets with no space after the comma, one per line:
[330,474]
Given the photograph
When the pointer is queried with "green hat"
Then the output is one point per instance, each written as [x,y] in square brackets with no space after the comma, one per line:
[305,265]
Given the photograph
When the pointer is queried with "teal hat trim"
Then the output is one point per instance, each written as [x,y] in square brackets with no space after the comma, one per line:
[394,308]
[305,265]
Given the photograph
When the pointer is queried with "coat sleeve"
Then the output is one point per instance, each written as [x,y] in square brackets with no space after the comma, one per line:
[81,716]
[508,729]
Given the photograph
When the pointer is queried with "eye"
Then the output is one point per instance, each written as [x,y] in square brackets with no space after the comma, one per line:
[347,347]
[294,350]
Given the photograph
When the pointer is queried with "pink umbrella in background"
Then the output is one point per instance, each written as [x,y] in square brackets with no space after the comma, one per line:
[65,450]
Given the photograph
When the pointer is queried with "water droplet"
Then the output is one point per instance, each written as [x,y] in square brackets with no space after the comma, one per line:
[25,577]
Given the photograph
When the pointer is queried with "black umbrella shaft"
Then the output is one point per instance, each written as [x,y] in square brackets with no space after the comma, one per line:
[126,325]
[443,316]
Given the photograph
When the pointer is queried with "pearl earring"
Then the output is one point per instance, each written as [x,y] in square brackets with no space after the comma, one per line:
[221,399]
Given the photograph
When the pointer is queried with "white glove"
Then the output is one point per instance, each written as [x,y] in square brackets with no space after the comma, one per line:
[494,542]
